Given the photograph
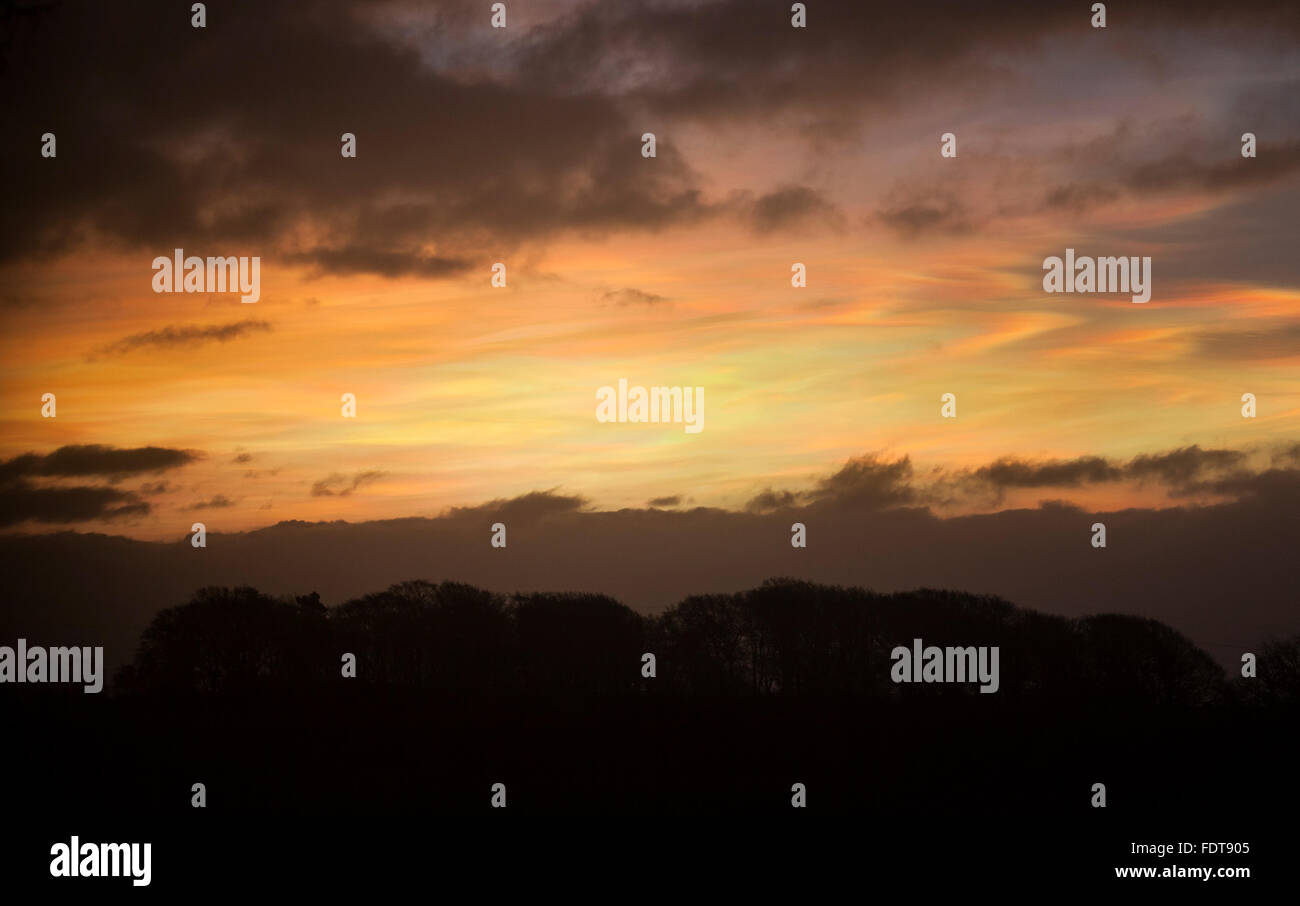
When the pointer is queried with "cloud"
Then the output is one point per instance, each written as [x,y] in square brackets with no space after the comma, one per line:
[675,500]
[729,59]
[354,259]
[791,206]
[942,215]
[1251,241]
[997,188]
[468,140]
[1077,198]
[1271,484]
[22,502]
[869,481]
[1183,171]
[1277,339]
[95,459]
[1009,472]
[1179,467]
[340,485]
[1176,469]
[865,481]
[526,509]
[625,297]
[218,502]
[459,164]
[183,336]
[1289,455]
[873,483]
[768,500]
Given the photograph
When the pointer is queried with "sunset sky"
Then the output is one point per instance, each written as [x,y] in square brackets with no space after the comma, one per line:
[523,145]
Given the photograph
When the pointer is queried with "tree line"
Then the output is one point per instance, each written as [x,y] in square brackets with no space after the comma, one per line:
[785,638]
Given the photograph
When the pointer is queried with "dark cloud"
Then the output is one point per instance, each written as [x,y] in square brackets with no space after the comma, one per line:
[768,500]
[1250,241]
[1278,341]
[339,485]
[1287,455]
[1176,469]
[1077,198]
[735,58]
[944,216]
[384,262]
[243,458]
[469,140]
[163,145]
[791,206]
[526,509]
[1184,171]
[865,481]
[153,488]
[1244,485]
[1267,100]
[22,502]
[186,335]
[218,502]
[1129,162]
[95,459]
[675,500]
[1009,472]
[1179,467]
[1111,168]
[873,483]
[870,482]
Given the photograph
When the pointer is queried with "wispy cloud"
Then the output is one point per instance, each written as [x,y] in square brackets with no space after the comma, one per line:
[219,502]
[186,335]
[339,485]
[630,296]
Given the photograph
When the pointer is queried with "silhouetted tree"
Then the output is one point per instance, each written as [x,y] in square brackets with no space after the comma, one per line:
[449,636]
[787,637]
[577,642]
[703,650]
[226,641]
[1134,657]
[1277,678]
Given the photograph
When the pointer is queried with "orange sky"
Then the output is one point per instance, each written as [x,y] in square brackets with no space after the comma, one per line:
[468,393]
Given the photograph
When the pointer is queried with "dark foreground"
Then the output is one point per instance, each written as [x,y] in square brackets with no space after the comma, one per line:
[345,784]
[312,778]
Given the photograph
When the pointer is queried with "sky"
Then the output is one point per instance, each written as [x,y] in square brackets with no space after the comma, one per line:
[523,145]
